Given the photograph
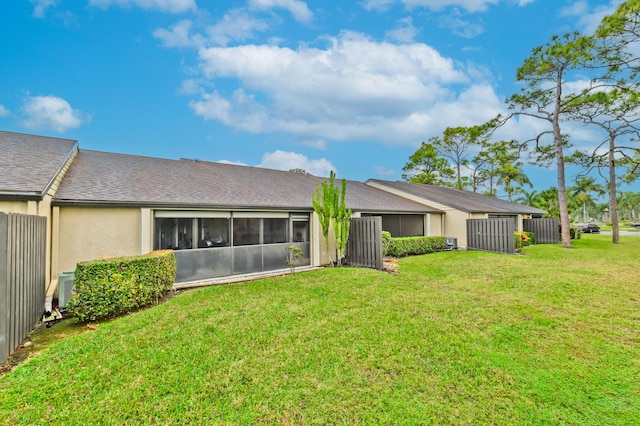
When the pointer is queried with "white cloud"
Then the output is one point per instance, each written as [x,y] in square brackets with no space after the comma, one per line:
[51,113]
[178,36]
[4,111]
[234,26]
[384,171]
[168,6]
[283,160]
[461,27]
[320,144]
[468,5]
[377,5]
[405,32]
[354,88]
[298,9]
[589,18]
[41,6]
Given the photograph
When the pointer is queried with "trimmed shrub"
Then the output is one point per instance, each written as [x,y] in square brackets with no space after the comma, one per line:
[386,240]
[410,246]
[111,287]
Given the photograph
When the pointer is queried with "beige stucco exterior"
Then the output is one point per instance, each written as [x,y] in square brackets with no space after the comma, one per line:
[89,233]
[453,222]
[435,225]
[43,208]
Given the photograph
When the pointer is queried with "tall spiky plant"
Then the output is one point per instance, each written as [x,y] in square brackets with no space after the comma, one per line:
[329,204]
[324,203]
[342,224]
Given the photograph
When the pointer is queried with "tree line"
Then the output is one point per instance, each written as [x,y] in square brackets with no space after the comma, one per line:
[555,92]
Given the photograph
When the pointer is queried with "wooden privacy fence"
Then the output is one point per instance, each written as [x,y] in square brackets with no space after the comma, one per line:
[495,235]
[364,247]
[545,231]
[22,277]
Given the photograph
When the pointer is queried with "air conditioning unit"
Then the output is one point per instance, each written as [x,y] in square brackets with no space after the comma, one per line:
[65,287]
[452,243]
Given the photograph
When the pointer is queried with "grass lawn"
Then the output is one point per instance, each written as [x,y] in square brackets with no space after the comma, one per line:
[550,337]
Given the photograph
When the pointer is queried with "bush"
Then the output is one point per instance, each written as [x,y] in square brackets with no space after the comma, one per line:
[386,240]
[575,232]
[111,287]
[410,246]
[524,239]
[531,236]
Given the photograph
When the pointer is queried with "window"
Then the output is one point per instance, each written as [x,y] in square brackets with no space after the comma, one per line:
[300,231]
[213,232]
[209,229]
[275,230]
[402,225]
[246,231]
[174,233]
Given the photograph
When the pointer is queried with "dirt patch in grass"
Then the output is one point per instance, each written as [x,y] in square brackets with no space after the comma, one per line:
[40,338]
[391,265]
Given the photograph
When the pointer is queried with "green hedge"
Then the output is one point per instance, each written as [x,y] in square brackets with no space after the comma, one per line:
[110,287]
[410,246]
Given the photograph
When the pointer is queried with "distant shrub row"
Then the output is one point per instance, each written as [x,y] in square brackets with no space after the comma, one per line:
[411,246]
[106,288]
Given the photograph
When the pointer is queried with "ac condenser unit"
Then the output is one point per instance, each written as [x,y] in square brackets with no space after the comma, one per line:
[452,243]
[65,287]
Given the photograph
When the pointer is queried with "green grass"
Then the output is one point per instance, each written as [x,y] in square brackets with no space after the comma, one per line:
[550,337]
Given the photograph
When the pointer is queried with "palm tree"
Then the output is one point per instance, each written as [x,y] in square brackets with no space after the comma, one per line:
[548,200]
[512,177]
[582,190]
[529,198]
[629,204]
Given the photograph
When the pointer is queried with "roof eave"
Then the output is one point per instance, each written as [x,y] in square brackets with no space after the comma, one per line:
[177,206]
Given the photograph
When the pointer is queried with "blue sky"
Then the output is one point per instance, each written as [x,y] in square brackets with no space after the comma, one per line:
[320,85]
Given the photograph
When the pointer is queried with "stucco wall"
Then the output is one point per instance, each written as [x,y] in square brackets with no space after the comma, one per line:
[435,224]
[21,207]
[88,233]
[456,225]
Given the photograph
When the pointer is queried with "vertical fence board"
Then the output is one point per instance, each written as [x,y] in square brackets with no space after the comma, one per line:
[22,277]
[494,235]
[545,231]
[4,290]
[364,247]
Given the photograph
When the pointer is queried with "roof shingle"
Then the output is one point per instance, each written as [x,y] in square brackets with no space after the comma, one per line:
[467,201]
[107,178]
[29,164]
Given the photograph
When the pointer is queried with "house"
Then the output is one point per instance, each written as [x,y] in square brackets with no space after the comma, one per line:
[31,169]
[222,220]
[458,206]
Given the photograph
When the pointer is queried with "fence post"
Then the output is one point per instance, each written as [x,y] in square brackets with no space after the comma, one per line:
[364,247]
[22,277]
[4,290]
[545,230]
[495,235]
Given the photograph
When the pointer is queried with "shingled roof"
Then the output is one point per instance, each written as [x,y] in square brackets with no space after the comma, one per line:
[102,178]
[30,164]
[466,201]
